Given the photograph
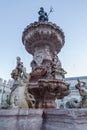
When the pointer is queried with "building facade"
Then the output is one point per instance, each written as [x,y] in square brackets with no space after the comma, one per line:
[4,89]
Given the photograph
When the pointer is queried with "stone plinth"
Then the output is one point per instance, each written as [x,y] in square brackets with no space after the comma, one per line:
[48,119]
[21,119]
[68,119]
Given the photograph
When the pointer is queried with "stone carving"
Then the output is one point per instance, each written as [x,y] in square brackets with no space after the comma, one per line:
[20,98]
[38,73]
[46,91]
[83,92]
[29,98]
[57,71]
[75,103]
[19,66]
[43,33]
[60,104]
[40,53]
[43,15]
[41,63]
[19,74]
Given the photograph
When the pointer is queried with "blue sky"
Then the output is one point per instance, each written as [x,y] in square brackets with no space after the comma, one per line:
[70,15]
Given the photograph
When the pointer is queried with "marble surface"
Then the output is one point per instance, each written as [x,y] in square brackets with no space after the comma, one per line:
[21,119]
[47,119]
[66,119]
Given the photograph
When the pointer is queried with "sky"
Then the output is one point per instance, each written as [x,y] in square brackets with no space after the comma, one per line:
[70,15]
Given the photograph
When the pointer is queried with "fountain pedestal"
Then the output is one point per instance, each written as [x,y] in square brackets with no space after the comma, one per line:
[39,119]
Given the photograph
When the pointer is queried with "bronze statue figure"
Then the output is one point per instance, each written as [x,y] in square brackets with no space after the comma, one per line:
[43,15]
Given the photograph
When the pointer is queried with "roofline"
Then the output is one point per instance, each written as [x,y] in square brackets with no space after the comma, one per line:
[74,78]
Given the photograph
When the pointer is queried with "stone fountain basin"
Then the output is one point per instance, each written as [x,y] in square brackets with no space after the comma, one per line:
[55,88]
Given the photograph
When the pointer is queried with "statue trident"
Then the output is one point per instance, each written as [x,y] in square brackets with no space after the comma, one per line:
[51,10]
